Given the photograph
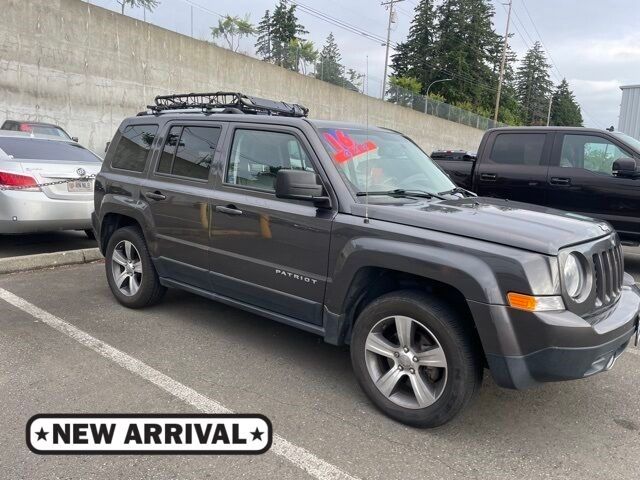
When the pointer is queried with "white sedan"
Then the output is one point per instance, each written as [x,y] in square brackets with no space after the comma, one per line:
[26,162]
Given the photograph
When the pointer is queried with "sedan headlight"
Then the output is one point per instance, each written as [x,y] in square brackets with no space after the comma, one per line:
[573,275]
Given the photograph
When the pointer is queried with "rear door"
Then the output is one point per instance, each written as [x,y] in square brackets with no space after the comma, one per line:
[581,180]
[178,192]
[268,252]
[513,165]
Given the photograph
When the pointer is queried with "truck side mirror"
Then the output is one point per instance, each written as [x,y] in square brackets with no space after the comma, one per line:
[626,167]
[106,147]
[301,185]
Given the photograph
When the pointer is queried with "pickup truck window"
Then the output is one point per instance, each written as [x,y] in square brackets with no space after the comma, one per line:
[257,155]
[591,152]
[518,149]
[390,160]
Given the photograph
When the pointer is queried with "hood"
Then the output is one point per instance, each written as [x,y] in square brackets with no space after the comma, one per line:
[521,225]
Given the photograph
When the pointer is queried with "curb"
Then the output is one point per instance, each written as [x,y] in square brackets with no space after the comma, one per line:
[47,260]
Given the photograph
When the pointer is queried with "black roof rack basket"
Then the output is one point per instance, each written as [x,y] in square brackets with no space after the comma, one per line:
[230,102]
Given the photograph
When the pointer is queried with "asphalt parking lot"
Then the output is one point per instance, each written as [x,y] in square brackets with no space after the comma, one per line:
[225,357]
[18,245]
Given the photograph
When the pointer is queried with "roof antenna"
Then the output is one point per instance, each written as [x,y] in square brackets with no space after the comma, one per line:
[366,184]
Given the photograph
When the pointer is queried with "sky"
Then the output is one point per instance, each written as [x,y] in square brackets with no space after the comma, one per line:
[595,44]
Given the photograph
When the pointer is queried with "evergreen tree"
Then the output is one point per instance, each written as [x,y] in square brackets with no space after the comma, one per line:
[414,58]
[533,86]
[329,67]
[284,29]
[465,51]
[565,111]
[263,43]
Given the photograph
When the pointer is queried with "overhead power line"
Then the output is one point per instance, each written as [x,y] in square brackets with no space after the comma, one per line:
[377,38]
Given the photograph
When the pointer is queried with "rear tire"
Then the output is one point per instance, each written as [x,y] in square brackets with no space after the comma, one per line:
[416,358]
[131,274]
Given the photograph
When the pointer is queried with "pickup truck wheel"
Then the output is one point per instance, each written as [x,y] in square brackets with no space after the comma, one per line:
[415,358]
[130,272]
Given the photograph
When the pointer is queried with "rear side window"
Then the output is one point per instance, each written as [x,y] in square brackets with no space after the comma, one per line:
[39,149]
[518,149]
[189,151]
[133,148]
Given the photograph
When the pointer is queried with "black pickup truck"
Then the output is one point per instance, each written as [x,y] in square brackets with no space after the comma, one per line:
[585,171]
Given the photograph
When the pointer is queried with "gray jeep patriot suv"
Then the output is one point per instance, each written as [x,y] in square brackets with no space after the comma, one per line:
[354,234]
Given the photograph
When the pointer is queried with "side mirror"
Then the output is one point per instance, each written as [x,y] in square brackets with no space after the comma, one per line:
[301,185]
[626,167]
[106,147]
[75,139]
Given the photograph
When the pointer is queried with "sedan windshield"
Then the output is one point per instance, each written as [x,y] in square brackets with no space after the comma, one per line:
[382,161]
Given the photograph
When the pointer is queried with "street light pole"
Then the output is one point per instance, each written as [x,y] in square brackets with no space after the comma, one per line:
[426,97]
[504,57]
[390,3]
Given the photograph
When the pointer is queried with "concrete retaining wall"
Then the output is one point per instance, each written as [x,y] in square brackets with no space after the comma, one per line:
[86,68]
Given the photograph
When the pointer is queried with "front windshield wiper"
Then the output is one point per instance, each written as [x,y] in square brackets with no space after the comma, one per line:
[401,192]
[458,190]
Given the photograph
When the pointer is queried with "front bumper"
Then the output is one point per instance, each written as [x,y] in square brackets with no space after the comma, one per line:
[524,349]
[27,212]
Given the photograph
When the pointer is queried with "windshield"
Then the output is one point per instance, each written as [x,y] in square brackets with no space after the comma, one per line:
[46,130]
[632,142]
[40,149]
[382,161]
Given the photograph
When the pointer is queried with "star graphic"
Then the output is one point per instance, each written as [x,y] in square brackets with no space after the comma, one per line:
[257,435]
[42,435]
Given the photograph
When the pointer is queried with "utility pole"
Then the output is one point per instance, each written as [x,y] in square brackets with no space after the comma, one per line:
[191,21]
[504,57]
[390,4]
[549,111]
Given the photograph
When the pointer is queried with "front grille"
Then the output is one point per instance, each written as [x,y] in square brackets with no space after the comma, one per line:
[608,268]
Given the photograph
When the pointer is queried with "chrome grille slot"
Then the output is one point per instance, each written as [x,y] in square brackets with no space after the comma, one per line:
[608,269]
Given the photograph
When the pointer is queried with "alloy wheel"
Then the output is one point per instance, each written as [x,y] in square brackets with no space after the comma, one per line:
[126,266]
[406,362]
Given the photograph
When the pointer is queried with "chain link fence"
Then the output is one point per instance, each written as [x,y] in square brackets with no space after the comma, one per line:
[430,106]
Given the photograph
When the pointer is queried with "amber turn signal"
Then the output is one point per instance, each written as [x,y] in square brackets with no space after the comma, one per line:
[531,303]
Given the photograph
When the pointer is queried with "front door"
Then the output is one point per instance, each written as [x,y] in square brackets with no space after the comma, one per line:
[581,180]
[268,252]
[178,192]
[514,167]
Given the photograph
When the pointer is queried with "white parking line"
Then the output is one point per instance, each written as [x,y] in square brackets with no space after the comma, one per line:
[299,456]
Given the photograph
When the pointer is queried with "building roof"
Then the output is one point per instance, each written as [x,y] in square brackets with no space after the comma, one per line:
[624,87]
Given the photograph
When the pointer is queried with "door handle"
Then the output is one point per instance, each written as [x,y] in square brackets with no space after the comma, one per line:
[560,181]
[229,210]
[155,195]
[489,177]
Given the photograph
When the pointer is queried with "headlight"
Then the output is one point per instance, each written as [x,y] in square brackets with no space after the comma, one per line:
[573,275]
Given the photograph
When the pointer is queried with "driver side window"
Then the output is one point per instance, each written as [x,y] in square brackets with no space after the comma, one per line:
[590,152]
[258,155]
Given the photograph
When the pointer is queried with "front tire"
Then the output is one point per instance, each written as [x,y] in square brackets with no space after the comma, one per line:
[416,358]
[131,274]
